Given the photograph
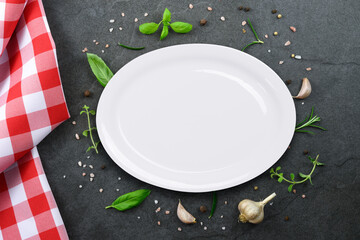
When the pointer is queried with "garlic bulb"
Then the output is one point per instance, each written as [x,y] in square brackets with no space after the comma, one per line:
[305,89]
[184,215]
[251,211]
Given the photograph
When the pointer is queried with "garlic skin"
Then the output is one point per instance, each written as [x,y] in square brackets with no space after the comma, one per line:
[305,89]
[251,211]
[184,215]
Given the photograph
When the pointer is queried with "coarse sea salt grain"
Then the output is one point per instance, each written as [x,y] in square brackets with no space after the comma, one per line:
[120,28]
[205,228]
[79,163]
[80,186]
[91,179]
[91,166]
[136,20]
[112,20]
[111,29]
[123,14]
[223,228]
[92,175]
[298,57]
[101,190]
[281,62]
[138,217]
[84,166]
[179,229]
[146,14]
[266,36]
[269,51]
[73,123]
[64,176]
[117,189]
[209,9]
[222,18]
[191,6]
[287,43]
[77,136]
[119,178]
[243,23]
[156,201]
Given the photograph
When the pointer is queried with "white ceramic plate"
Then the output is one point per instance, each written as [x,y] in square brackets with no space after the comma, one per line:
[195,117]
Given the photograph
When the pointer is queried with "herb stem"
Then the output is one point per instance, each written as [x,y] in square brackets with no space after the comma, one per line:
[308,122]
[258,41]
[91,137]
[131,48]
[214,203]
[254,42]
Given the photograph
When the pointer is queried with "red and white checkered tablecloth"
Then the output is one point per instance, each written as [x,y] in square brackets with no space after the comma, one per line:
[32,104]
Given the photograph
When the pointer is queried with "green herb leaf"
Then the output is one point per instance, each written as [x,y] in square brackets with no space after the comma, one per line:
[92,112]
[214,203]
[290,187]
[258,41]
[89,148]
[292,176]
[148,28]
[309,122]
[280,179]
[130,200]
[181,27]
[82,112]
[85,133]
[278,169]
[131,48]
[101,71]
[166,16]
[302,175]
[164,32]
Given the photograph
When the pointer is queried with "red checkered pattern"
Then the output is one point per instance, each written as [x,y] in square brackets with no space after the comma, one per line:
[31,105]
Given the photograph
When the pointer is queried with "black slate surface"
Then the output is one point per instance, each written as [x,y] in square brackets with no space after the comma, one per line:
[327,38]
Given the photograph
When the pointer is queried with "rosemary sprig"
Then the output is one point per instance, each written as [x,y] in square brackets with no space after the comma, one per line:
[89,131]
[309,122]
[258,41]
[131,48]
[292,182]
[214,203]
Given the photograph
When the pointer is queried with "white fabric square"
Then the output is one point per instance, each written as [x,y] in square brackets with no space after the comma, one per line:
[44,183]
[2,12]
[39,134]
[29,68]
[23,37]
[6,147]
[1,238]
[17,194]
[46,24]
[27,228]
[34,152]
[57,217]
[5,84]
[34,102]
[2,113]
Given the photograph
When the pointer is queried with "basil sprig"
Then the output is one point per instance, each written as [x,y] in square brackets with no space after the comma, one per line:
[130,200]
[101,71]
[178,27]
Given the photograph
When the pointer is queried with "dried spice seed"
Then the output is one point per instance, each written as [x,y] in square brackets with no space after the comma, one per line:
[209,9]
[87,93]
[293,29]
[276,33]
[287,43]
[222,18]
[103,166]
[292,55]
[308,69]
[303,196]
[288,82]
[241,8]
[243,23]
[73,123]
[286,218]
[247,9]
[273,11]
[107,45]
[306,152]
[256,188]
[167,212]
[243,30]
[158,210]
[77,136]
[84,50]
[203,22]
[279,16]
[294,191]
[191,6]
[203,209]
[281,62]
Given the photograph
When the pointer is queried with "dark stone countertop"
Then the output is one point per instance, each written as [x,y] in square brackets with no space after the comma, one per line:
[327,38]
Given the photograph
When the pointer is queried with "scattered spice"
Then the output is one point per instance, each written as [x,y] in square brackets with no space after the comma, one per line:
[83,174]
[80,186]
[292,55]
[79,163]
[209,9]
[102,51]
[103,166]
[123,14]
[305,152]
[293,29]
[226,202]
[87,93]
[191,6]
[303,196]
[222,18]
[223,228]
[84,50]
[94,40]
[269,51]
[287,43]
[276,33]
[288,82]
[286,218]
[146,14]
[203,22]
[84,166]
[158,209]
[179,229]
[110,30]
[256,188]
[308,69]
[73,123]
[119,178]
[92,175]
[298,57]
[158,223]
[273,11]
[222,216]
[205,228]
[167,212]
[243,23]
[281,62]
[279,16]
[240,8]
[112,20]
[247,9]
[294,191]
[77,136]
[203,209]
[91,179]
[107,45]
[243,30]
[120,28]
[64,176]
[117,190]
[156,201]
[97,43]
[101,190]
[266,36]
[136,20]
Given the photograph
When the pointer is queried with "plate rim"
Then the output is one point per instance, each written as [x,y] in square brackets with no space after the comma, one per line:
[163,184]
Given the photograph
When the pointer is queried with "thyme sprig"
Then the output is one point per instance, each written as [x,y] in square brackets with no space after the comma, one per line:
[258,41]
[88,132]
[309,122]
[306,177]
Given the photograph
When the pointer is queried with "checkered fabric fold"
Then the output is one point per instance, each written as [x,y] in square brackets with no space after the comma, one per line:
[32,104]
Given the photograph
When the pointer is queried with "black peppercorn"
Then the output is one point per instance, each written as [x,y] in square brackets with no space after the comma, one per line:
[87,93]
[203,22]
[288,82]
[241,8]
[286,218]
[247,9]
[274,11]
[203,209]
[103,167]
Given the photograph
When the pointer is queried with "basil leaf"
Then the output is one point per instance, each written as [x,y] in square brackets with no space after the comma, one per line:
[148,28]
[164,32]
[101,71]
[181,27]
[130,200]
[166,15]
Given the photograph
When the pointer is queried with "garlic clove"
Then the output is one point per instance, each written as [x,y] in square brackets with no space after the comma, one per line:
[305,89]
[251,211]
[184,215]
